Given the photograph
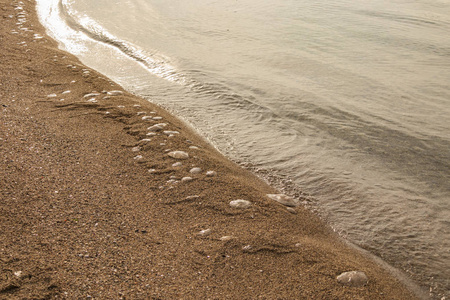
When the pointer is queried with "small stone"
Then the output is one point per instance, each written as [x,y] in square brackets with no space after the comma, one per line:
[177,164]
[151,170]
[136,149]
[283,199]
[247,248]
[65,92]
[18,274]
[240,203]
[91,95]
[114,93]
[211,173]
[157,118]
[151,134]
[145,140]
[168,132]
[291,210]
[138,157]
[195,170]
[178,155]
[52,96]
[186,179]
[146,118]
[205,232]
[157,127]
[226,238]
[140,113]
[298,245]
[193,147]
[92,100]
[353,278]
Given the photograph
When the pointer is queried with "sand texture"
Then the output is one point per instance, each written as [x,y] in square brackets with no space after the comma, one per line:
[92,206]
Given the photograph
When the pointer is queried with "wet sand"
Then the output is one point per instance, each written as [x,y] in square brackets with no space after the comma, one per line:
[93,205]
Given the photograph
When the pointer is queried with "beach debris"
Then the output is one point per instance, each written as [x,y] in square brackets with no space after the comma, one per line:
[157,127]
[114,93]
[205,232]
[178,155]
[239,203]
[284,199]
[211,173]
[186,179]
[195,170]
[353,278]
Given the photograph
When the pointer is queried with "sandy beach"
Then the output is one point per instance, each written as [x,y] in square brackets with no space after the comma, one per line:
[106,196]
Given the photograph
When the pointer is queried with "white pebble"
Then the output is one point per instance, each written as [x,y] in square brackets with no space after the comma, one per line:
[136,149]
[353,278]
[157,127]
[168,132]
[65,92]
[18,273]
[179,154]
[146,118]
[140,113]
[151,170]
[205,232]
[211,173]
[114,93]
[193,147]
[91,95]
[195,170]
[177,164]
[226,238]
[151,134]
[283,199]
[157,118]
[138,157]
[240,203]
[145,140]
[51,96]
[186,179]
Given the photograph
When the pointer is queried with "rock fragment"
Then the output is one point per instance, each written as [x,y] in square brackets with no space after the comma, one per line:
[205,232]
[211,173]
[195,170]
[114,93]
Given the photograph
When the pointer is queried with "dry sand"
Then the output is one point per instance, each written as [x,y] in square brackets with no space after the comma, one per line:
[82,217]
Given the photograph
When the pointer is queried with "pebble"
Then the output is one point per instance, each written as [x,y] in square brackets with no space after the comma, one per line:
[151,134]
[65,92]
[136,149]
[168,132]
[179,154]
[353,278]
[240,203]
[157,127]
[177,164]
[211,173]
[195,170]
[91,95]
[186,179]
[138,157]
[146,118]
[114,93]
[151,170]
[283,199]
[226,238]
[145,140]
[140,113]
[157,118]
[193,147]
[291,210]
[18,273]
[51,96]
[205,232]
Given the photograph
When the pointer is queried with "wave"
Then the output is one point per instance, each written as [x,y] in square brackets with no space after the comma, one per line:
[155,63]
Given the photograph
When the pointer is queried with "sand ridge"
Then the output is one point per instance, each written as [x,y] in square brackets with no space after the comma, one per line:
[98,197]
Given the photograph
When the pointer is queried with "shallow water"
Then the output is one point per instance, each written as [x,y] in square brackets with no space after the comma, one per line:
[348,99]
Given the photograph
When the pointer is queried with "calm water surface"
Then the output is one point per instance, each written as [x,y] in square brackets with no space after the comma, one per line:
[348,101]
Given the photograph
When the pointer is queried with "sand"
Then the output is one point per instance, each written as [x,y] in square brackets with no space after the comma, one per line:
[93,206]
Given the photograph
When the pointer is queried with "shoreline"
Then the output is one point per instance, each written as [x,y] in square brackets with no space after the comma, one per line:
[82,216]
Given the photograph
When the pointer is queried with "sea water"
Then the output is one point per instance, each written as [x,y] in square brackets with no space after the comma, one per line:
[345,100]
